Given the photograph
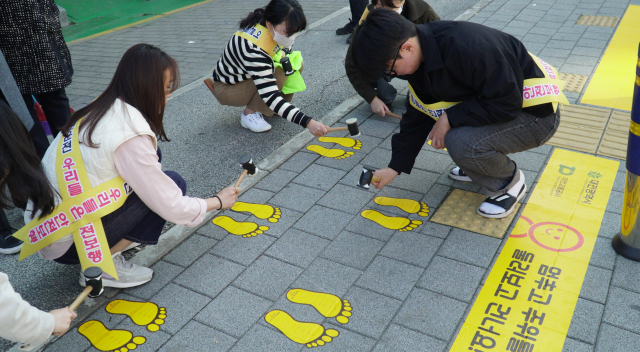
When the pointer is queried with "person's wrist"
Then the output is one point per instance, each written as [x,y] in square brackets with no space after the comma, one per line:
[219,200]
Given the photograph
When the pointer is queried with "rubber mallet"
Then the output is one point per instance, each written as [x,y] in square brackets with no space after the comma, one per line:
[93,280]
[352,127]
[249,168]
[366,177]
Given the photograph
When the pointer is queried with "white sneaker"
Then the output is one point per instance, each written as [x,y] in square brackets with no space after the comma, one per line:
[255,122]
[129,274]
[457,174]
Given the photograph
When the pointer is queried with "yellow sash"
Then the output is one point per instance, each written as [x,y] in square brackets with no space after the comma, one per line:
[364,15]
[260,36]
[80,210]
[536,91]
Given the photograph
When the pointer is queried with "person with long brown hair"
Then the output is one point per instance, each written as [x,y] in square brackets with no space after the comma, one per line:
[22,174]
[118,134]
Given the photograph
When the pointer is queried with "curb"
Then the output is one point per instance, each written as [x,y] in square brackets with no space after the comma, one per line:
[473,10]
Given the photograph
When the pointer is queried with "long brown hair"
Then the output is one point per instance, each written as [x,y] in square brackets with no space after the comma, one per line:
[139,82]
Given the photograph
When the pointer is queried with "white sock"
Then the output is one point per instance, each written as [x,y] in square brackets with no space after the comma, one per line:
[493,209]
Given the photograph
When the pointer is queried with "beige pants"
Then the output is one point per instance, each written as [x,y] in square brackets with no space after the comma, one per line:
[246,94]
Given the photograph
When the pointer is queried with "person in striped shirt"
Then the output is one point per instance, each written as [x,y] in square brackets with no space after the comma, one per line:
[245,74]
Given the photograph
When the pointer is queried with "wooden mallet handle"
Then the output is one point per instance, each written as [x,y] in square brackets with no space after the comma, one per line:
[337,129]
[242,175]
[80,298]
[393,115]
[375,179]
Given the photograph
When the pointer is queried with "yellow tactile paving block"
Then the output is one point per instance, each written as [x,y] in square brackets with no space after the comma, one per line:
[603,21]
[575,83]
[616,136]
[581,128]
[460,210]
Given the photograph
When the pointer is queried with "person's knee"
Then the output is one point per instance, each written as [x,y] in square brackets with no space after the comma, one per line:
[454,144]
[182,184]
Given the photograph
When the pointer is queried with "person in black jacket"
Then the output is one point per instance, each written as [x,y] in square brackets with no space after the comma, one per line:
[470,91]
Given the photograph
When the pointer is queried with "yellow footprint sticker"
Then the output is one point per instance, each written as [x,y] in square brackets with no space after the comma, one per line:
[239,228]
[104,339]
[429,143]
[391,222]
[408,205]
[345,142]
[310,334]
[325,303]
[260,211]
[141,313]
[329,153]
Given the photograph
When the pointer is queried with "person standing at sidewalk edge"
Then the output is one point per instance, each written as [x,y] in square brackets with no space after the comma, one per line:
[357,9]
[380,94]
[472,89]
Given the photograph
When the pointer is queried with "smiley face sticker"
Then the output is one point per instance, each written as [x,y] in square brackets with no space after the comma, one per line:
[553,236]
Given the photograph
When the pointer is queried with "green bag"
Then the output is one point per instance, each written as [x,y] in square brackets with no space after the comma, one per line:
[294,83]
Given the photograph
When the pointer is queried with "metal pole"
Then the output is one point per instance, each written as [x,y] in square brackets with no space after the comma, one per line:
[627,242]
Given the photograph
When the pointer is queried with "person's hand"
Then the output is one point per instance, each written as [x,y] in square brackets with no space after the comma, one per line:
[439,131]
[317,128]
[229,196]
[62,318]
[378,107]
[386,175]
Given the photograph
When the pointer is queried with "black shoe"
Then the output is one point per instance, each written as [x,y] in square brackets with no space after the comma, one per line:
[8,243]
[347,29]
[349,39]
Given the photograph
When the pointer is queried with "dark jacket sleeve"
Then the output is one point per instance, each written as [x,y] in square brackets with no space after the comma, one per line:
[415,127]
[498,86]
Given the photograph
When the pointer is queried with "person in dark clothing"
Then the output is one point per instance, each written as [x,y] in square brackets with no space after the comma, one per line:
[472,89]
[357,8]
[380,94]
[32,43]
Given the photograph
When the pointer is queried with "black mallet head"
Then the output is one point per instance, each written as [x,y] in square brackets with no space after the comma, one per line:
[366,177]
[93,278]
[247,163]
[352,126]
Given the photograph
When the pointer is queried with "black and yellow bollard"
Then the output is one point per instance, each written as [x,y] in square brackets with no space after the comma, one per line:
[627,242]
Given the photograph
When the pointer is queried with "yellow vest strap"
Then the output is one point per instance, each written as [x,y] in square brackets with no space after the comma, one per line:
[260,36]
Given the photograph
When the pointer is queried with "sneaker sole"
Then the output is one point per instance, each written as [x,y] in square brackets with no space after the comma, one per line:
[116,284]
[505,214]
[460,178]
[12,250]
[249,128]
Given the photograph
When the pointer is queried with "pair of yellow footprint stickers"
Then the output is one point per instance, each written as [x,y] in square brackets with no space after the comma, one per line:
[397,222]
[248,229]
[141,313]
[336,153]
[311,334]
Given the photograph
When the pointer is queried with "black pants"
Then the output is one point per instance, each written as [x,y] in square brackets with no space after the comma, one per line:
[56,108]
[357,9]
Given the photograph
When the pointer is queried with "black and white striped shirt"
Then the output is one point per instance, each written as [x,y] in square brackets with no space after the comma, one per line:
[242,60]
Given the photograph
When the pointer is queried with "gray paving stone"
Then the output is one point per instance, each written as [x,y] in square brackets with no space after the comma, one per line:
[615,202]
[626,274]
[571,345]
[603,255]
[242,250]
[234,311]
[582,60]
[379,158]
[539,38]
[199,278]
[324,222]
[560,44]
[554,52]
[267,277]
[297,247]
[326,276]
[347,199]
[587,51]
[153,341]
[469,247]
[262,339]
[163,273]
[586,321]
[622,309]
[372,312]
[412,248]
[72,341]
[577,69]
[574,37]
[610,225]
[197,337]
[390,277]
[430,313]
[297,197]
[613,339]
[619,183]
[255,195]
[179,311]
[418,181]
[433,162]
[276,180]
[400,339]
[217,232]
[320,177]
[348,341]
[298,162]
[376,128]
[368,228]
[190,250]
[596,284]
[353,250]
[436,230]
[529,160]
[452,278]
[435,196]
[288,218]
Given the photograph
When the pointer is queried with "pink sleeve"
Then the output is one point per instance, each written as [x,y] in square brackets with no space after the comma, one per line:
[137,162]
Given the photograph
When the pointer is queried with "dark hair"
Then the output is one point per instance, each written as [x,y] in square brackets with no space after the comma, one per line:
[139,82]
[20,167]
[276,12]
[378,40]
[385,3]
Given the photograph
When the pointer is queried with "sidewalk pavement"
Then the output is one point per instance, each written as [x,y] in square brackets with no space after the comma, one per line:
[410,290]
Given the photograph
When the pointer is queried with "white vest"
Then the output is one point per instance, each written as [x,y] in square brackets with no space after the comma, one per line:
[121,123]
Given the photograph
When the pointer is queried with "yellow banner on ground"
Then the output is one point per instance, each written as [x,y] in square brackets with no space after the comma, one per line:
[528,299]
[260,36]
